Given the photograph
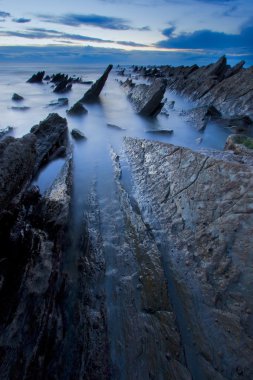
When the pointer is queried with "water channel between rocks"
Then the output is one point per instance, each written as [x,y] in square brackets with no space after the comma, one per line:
[103,209]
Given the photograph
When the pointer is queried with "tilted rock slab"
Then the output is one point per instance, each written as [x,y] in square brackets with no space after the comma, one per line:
[200,211]
[93,93]
[17,160]
[147,99]
[51,133]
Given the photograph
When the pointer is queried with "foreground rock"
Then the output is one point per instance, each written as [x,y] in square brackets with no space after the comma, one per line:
[51,134]
[37,78]
[93,93]
[18,157]
[147,99]
[33,283]
[17,97]
[199,210]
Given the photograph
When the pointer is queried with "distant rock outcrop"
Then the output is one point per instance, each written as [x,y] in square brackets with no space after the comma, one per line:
[37,78]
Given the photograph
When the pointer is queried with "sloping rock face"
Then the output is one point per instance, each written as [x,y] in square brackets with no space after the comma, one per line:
[147,99]
[93,93]
[32,286]
[200,211]
[51,133]
[17,157]
[229,89]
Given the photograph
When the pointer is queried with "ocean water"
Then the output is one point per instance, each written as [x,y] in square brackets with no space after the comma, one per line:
[112,107]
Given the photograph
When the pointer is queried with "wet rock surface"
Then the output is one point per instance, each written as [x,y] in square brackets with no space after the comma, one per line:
[202,216]
[51,133]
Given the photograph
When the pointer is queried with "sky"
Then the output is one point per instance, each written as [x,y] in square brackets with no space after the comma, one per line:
[133,31]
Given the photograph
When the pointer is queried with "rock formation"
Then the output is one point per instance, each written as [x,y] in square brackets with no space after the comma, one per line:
[77,109]
[93,93]
[37,78]
[77,134]
[17,97]
[199,210]
[51,133]
[146,99]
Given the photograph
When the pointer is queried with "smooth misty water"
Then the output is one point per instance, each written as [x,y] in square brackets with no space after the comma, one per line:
[91,157]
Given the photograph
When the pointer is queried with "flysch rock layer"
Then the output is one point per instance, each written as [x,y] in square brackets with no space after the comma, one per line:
[32,321]
[200,211]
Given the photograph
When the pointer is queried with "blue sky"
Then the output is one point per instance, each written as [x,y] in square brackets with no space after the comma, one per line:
[180,31]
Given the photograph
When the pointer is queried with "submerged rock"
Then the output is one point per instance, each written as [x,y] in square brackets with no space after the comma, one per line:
[60,102]
[77,109]
[161,131]
[51,133]
[77,134]
[37,78]
[203,217]
[93,93]
[24,108]
[115,127]
[147,99]
[17,97]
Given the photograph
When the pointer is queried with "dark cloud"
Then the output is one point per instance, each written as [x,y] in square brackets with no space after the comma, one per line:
[104,22]
[207,39]
[169,31]
[21,20]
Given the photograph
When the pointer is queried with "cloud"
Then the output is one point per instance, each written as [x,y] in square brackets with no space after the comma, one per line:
[40,33]
[104,22]
[21,20]
[208,39]
[43,33]
[131,43]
